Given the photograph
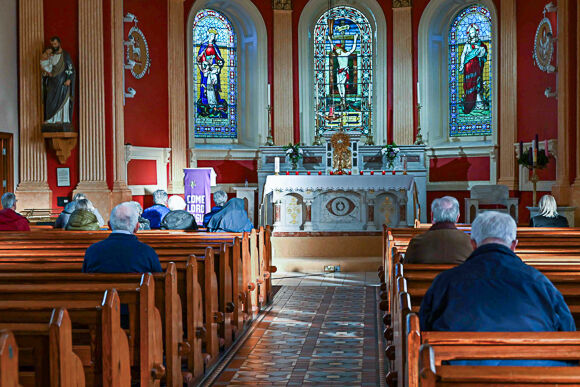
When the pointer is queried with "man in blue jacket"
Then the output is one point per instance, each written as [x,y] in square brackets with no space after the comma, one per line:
[122,252]
[494,291]
[157,211]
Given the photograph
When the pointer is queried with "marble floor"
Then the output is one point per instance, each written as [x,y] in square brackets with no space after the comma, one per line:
[321,329]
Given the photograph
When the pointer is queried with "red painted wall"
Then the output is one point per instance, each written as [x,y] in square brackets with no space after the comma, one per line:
[146,115]
[60,19]
[142,172]
[232,171]
[459,169]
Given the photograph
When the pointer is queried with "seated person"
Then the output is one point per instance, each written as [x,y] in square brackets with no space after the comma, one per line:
[232,218]
[143,223]
[494,291]
[122,252]
[10,220]
[443,242]
[64,216]
[91,207]
[157,211]
[178,218]
[82,218]
[548,214]
[220,198]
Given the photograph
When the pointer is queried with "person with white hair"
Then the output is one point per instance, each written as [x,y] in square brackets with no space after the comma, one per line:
[82,218]
[10,220]
[143,223]
[122,252]
[443,242]
[178,218]
[494,291]
[548,214]
[158,210]
[91,207]
[220,199]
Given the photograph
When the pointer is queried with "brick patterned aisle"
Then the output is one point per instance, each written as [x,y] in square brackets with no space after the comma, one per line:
[326,335]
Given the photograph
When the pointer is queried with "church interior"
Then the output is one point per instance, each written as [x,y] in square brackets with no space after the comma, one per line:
[335,127]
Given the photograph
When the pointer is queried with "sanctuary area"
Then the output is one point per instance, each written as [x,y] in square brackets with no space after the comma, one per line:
[286,192]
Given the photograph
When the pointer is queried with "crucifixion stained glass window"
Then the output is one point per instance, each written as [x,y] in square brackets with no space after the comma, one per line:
[215,76]
[343,71]
[470,86]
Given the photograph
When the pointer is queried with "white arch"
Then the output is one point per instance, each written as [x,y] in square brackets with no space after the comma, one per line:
[252,73]
[310,14]
[433,72]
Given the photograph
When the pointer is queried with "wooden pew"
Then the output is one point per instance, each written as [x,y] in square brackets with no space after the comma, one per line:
[55,363]
[104,355]
[8,360]
[145,340]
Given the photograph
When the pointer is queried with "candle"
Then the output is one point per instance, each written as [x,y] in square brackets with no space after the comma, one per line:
[297,173]
[521,148]
[537,147]
[361,172]
[383,172]
[534,152]
[331,111]
[393,172]
[372,172]
[530,157]
[269,98]
[319,173]
[404,164]
[287,173]
[418,93]
[308,173]
[276,165]
[316,96]
[546,148]
[332,173]
[350,172]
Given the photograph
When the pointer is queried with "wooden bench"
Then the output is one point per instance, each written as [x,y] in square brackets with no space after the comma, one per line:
[145,331]
[8,360]
[104,353]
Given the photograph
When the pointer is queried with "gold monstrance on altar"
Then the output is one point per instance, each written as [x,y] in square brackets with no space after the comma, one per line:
[342,156]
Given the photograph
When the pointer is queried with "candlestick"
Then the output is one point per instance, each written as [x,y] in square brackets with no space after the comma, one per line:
[270,139]
[419,139]
[276,165]
[521,148]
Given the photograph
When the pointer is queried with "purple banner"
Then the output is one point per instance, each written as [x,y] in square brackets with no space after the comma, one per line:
[197,192]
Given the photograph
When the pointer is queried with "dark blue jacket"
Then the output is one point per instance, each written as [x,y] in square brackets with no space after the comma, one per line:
[494,291]
[121,253]
[207,217]
[155,215]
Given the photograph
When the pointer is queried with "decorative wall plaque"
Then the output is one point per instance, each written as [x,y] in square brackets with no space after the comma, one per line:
[543,45]
[137,53]
[401,3]
[282,4]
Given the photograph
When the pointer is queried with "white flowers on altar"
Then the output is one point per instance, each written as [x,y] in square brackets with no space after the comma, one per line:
[390,153]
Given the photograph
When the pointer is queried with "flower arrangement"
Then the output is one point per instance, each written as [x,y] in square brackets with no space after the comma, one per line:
[390,152]
[294,153]
[527,159]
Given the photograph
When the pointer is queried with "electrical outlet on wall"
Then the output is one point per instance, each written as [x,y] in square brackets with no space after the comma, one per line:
[329,269]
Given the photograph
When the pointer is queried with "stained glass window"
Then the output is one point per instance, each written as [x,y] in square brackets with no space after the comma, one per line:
[215,76]
[343,71]
[470,75]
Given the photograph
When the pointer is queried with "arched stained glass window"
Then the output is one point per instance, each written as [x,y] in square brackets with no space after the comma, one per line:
[470,84]
[343,71]
[215,76]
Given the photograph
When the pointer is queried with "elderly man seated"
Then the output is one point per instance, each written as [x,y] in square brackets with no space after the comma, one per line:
[220,198]
[10,220]
[157,212]
[122,252]
[494,291]
[443,242]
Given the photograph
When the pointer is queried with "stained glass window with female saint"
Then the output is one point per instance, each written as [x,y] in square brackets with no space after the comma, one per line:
[215,76]
[470,75]
[343,65]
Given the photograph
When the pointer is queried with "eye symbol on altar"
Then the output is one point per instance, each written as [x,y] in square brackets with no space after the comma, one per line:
[340,206]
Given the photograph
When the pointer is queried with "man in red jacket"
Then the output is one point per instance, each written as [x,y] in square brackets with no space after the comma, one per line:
[9,219]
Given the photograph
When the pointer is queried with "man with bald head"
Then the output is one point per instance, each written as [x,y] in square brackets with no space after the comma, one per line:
[122,252]
[443,242]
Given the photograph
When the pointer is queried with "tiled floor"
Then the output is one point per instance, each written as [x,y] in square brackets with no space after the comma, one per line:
[321,330]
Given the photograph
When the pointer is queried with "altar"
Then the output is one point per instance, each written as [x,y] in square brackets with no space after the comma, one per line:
[341,203]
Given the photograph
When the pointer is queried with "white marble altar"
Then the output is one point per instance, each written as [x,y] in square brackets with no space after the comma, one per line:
[339,202]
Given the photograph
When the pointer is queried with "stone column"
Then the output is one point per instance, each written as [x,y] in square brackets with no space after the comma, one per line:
[508,134]
[92,153]
[561,190]
[576,185]
[402,73]
[283,105]
[33,190]
[121,192]
[307,214]
[176,90]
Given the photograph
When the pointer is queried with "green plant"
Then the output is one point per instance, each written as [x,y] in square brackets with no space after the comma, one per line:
[390,153]
[525,159]
[294,153]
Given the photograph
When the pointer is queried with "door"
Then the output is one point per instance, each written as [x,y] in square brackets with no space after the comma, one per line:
[6,163]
